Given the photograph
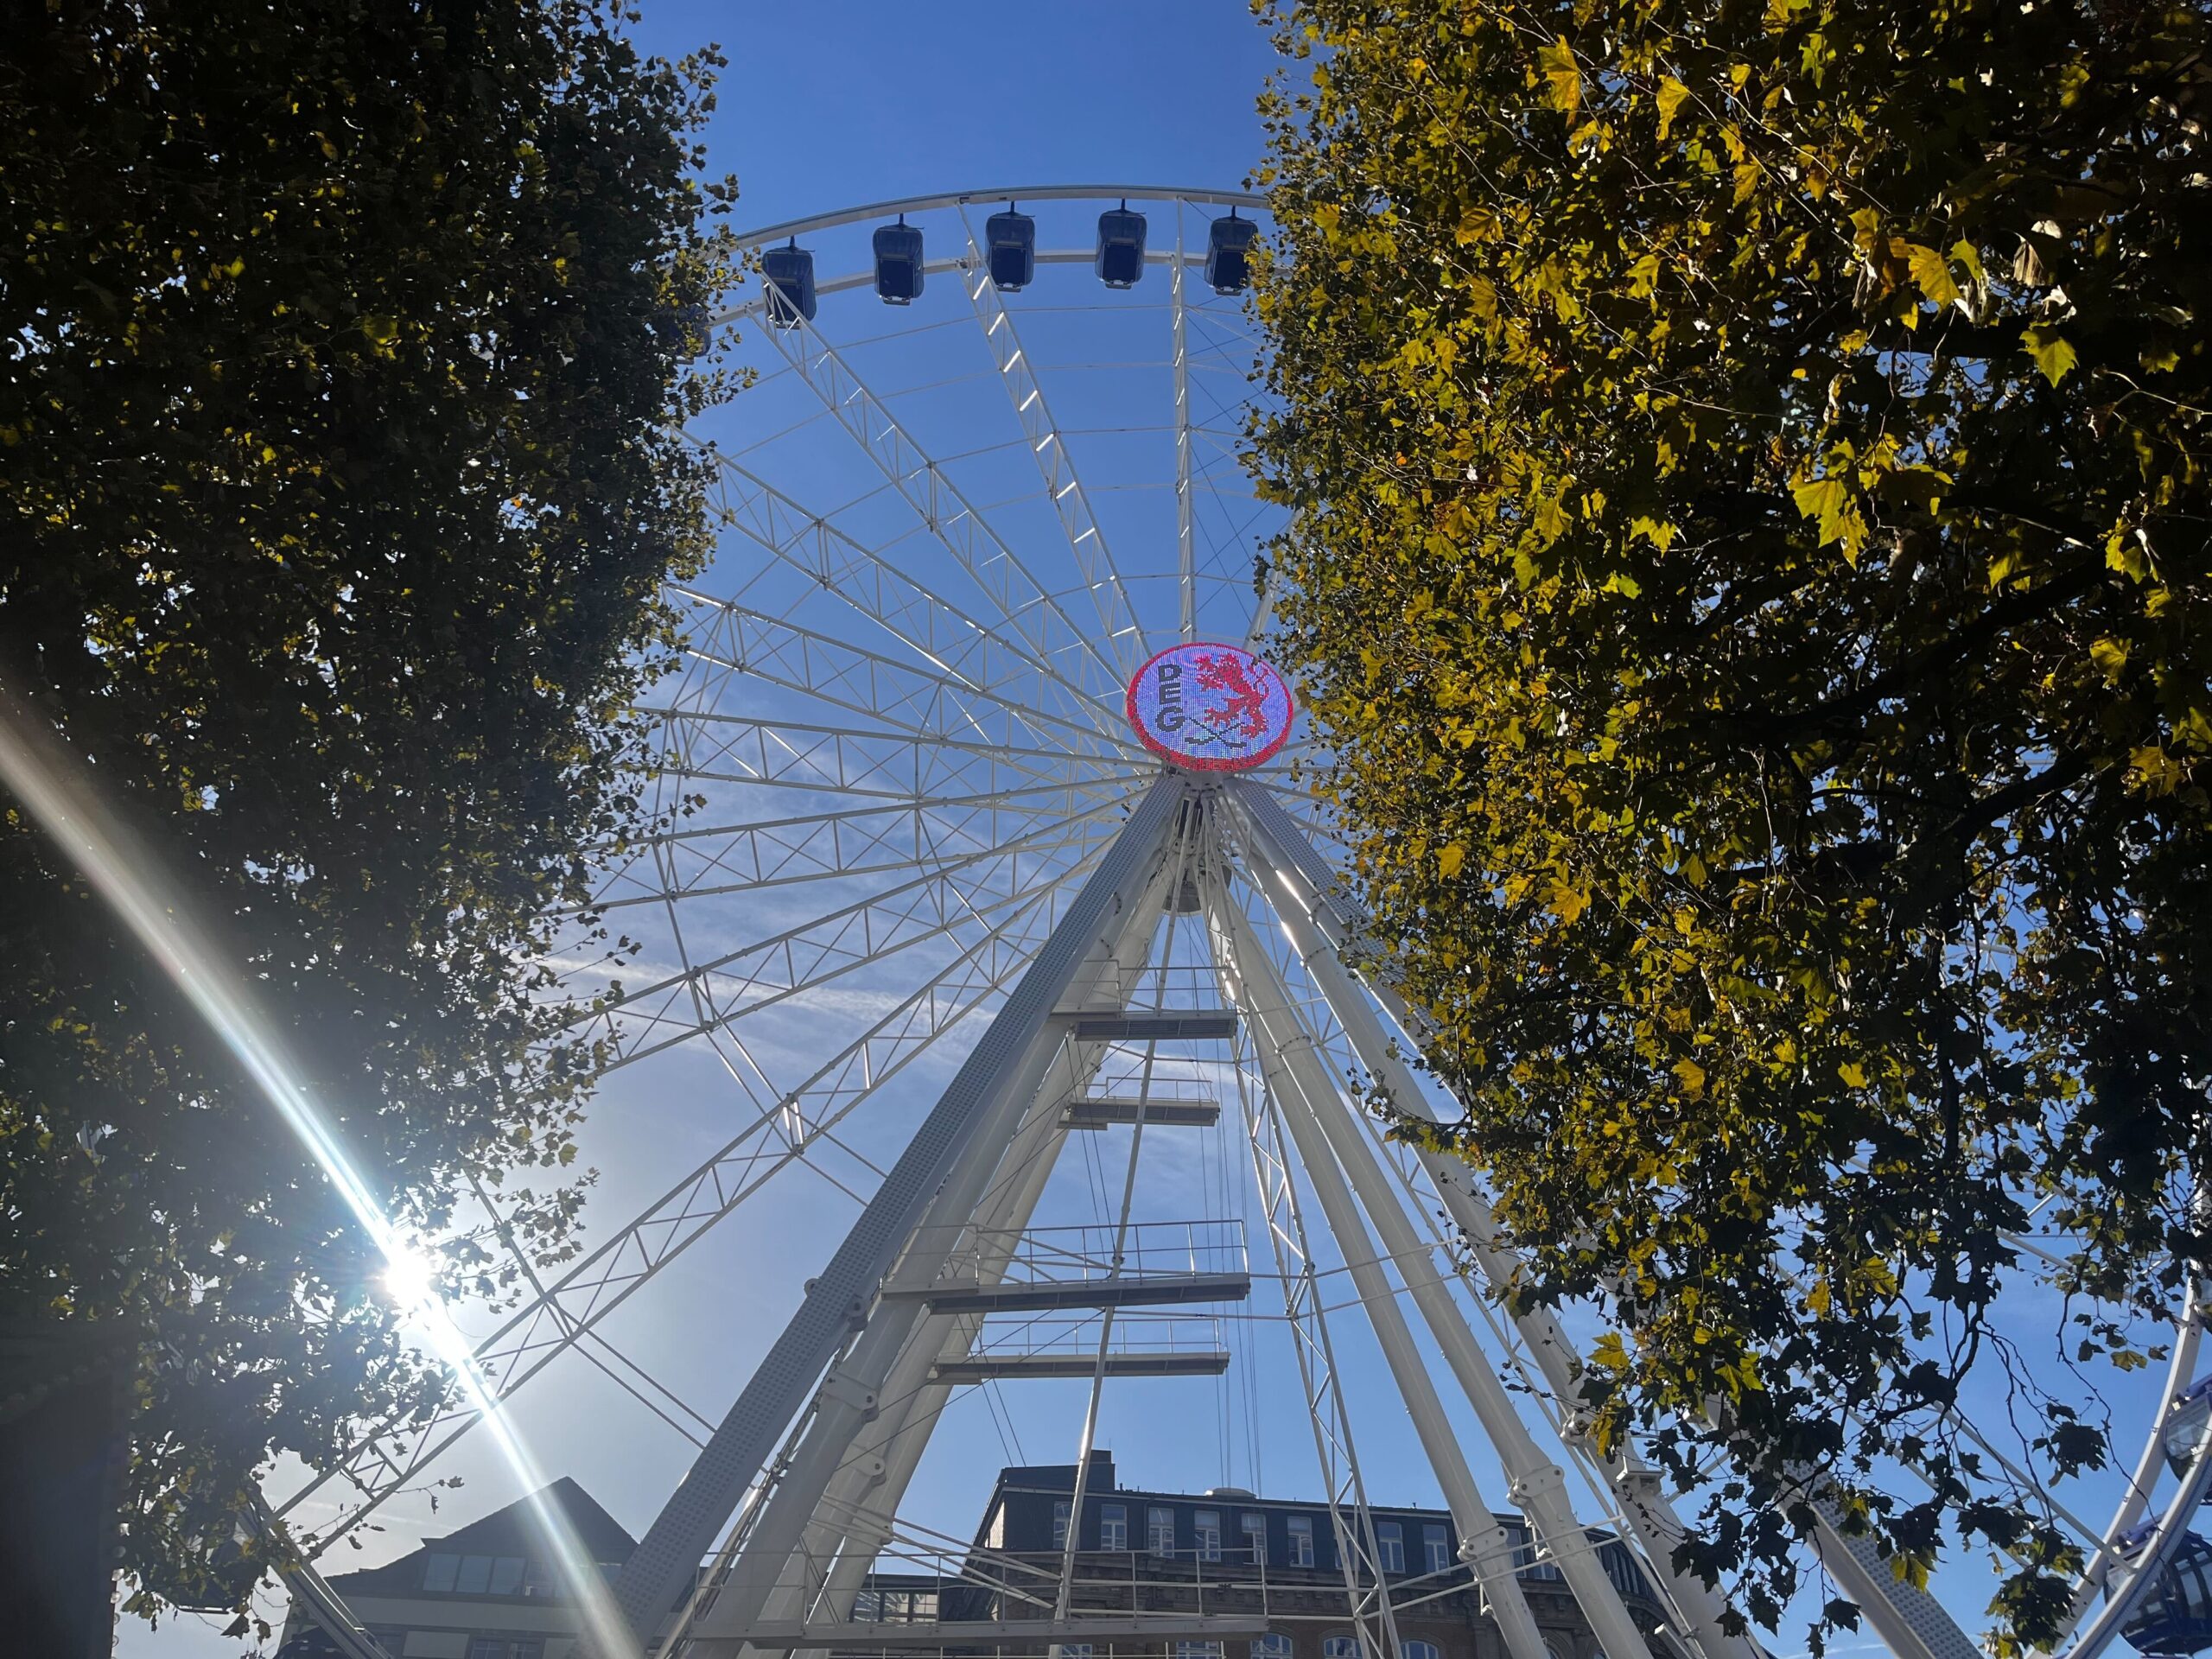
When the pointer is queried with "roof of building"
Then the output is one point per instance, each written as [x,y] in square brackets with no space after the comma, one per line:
[510,1531]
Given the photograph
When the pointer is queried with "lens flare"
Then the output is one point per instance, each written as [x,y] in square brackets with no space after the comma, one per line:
[125,873]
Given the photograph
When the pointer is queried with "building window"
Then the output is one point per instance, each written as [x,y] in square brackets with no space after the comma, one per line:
[439,1571]
[1390,1546]
[475,1578]
[1059,1523]
[1418,1650]
[1254,1527]
[1273,1645]
[537,1578]
[1159,1531]
[1209,1535]
[1113,1531]
[506,1575]
[1197,1650]
[1075,1650]
[1339,1647]
[1301,1539]
[487,1646]
[1436,1548]
[533,1648]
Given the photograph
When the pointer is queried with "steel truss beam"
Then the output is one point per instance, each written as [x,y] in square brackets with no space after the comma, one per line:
[1341,1152]
[1029,607]
[920,702]
[857,840]
[1303,891]
[915,614]
[1048,446]
[748,750]
[805,956]
[1367,1589]
[978,1110]
[383,1462]
[1203,195]
[770,1570]
[1246,976]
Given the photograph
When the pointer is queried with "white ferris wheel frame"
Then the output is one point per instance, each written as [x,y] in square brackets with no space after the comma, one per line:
[982,714]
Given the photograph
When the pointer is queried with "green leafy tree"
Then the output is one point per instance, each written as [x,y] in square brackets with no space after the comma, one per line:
[340,343]
[1751,562]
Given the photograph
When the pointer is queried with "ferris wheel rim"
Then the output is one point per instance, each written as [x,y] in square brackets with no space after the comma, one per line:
[1202,195]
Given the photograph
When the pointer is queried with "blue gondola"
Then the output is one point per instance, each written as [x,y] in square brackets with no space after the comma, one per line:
[2185,1425]
[1012,239]
[898,262]
[2176,1618]
[788,273]
[1228,262]
[1121,247]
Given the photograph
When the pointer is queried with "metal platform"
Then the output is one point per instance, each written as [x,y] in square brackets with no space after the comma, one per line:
[984,1367]
[1190,1025]
[894,1636]
[1099,1112]
[1131,1290]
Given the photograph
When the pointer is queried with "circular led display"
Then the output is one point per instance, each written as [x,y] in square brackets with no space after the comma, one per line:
[1215,708]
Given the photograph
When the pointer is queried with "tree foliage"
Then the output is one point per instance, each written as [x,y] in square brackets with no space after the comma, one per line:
[1751,563]
[341,343]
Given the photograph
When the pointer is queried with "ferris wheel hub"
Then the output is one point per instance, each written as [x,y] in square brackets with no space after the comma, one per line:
[1211,707]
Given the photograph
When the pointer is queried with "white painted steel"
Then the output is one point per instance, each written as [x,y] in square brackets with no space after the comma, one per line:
[975,1101]
[1696,1605]
[1367,1589]
[1536,1486]
[764,235]
[1186,552]
[1246,982]
[1048,446]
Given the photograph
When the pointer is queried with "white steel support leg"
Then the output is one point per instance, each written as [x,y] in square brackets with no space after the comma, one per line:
[1367,1589]
[1245,972]
[1011,1077]
[1701,1610]
[1186,552]
[1537,1485]
[971,1124]
[853,1522]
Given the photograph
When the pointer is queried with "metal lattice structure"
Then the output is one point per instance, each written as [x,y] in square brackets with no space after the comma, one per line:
[912,843]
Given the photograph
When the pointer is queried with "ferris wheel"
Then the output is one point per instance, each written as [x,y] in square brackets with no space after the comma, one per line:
[985,889]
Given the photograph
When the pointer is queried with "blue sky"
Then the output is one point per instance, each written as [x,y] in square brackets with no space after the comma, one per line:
[829,104]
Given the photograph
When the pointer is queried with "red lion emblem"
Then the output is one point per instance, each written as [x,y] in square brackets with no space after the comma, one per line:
[1246,702]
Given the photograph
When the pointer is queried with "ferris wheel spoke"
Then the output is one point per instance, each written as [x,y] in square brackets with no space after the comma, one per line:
[727,748]
[383,1461]
[772,970]
[1031,799]
[1025,602]
[917,701]
[865,579]
[1048,448]
[756,866]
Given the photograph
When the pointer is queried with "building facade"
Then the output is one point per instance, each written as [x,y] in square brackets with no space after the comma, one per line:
[485,1591]
[1232,1556]
[1268,1567]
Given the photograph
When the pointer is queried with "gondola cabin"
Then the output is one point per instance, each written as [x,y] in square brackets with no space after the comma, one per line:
[1011,239]
[1228,246]
[787,274]
[899,262]
[2176,1618]
[1121,247]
